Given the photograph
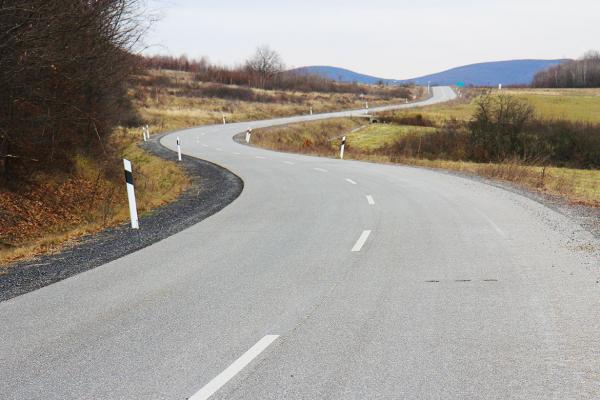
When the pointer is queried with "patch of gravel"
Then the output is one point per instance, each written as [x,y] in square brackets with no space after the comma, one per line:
[212,188]
[585,216]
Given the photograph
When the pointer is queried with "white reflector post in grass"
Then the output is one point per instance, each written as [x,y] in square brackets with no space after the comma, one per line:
[311,111]
[248,135]
[224,120]
[342,148]
[178,150]
[131,194]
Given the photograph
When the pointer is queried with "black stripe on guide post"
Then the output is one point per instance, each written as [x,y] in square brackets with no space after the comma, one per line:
[128,177]
[344,141]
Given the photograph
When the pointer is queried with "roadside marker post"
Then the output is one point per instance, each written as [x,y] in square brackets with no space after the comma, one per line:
[366,107]
[311,112]
[178,150]
[499,86]
[224,121]
[144,133]
[248,135]
[131,194]
[342,148]
[147,133]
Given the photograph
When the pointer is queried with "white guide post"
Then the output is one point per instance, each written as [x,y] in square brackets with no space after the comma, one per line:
[248,135]
[342,147]
[178,150]
[131,194]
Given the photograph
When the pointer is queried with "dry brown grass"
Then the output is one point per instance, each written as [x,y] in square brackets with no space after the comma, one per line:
[53,211]
[178,101]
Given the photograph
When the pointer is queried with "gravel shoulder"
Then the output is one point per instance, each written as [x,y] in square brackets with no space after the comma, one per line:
[211,189]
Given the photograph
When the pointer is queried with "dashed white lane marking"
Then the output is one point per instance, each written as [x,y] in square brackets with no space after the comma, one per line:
[320,169]
[370,200]
[219,149]
[236,153]
[205,145]
[260,157]
[361,241]
[217,383]
[203,133]
[288,162]
[350,181]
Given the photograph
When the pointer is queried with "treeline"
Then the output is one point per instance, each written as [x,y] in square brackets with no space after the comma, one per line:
[503,128]
[264,70]
[64,66]
[582,73]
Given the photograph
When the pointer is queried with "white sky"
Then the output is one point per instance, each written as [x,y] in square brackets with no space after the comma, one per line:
[385,38]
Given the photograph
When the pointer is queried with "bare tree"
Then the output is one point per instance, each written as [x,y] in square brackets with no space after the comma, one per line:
[265,64]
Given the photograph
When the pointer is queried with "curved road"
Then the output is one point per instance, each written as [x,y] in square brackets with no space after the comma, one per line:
[325,279]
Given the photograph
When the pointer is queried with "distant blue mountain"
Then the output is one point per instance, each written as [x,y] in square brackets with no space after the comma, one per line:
[513,72]
[340,74]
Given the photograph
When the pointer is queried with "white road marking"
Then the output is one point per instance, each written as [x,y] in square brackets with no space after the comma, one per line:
[219,149]
[236,153]
[361,241]
[260,157]
[492,223]
[217,383]
[288,162]
[370,200]
[203,133]
[320,169]
[350,181]
[205,145]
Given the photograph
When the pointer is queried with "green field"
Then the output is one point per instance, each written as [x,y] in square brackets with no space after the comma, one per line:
[372,137]
[581,105]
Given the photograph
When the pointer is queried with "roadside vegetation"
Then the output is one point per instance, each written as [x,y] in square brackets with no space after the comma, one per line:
[526,137]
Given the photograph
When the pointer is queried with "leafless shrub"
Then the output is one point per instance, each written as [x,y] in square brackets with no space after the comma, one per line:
[63,71]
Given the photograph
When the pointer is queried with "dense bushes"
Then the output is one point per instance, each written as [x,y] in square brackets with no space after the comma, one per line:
[63,70]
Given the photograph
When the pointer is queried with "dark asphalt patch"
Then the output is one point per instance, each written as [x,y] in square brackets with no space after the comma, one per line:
[212,188]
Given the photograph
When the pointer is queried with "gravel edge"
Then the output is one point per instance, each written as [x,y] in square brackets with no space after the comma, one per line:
[212,188]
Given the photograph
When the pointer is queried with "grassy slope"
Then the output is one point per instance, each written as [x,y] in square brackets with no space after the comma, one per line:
[55,209]
[579,186]
[175,103]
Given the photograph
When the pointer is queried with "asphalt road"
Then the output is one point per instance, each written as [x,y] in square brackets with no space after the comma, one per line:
[325,279]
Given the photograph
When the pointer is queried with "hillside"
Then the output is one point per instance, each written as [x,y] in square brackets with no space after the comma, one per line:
[512,72]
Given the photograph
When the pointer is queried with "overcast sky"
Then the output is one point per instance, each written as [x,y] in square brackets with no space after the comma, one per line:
[386,38]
